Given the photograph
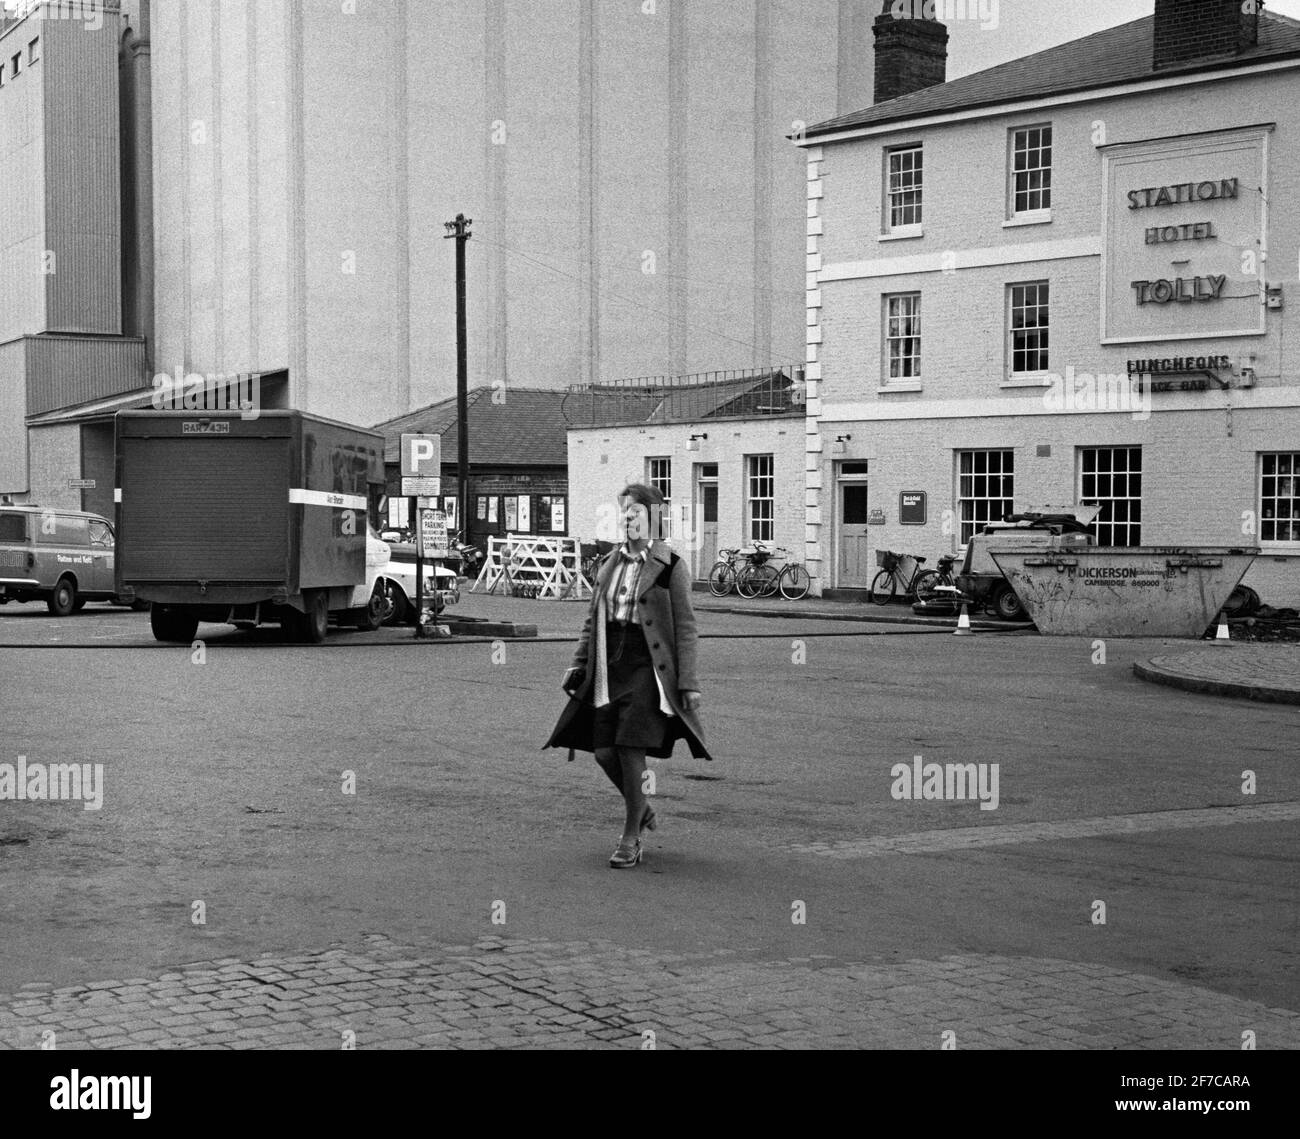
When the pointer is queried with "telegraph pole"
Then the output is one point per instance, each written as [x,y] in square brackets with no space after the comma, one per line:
[459,231]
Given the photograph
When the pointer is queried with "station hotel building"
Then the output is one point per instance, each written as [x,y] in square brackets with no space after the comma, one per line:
[1070,277]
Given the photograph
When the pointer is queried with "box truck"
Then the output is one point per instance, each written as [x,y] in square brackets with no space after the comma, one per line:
[222,518]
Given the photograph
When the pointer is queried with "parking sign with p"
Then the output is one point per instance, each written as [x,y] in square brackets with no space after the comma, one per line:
[421,464]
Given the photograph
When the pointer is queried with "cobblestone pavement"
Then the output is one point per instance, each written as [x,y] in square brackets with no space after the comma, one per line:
[1258,672]
[503,992]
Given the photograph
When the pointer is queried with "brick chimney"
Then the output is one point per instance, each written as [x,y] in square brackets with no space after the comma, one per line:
[911,49]
[1191,30]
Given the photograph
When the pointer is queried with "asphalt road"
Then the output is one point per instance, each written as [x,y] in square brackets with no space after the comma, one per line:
[223,783]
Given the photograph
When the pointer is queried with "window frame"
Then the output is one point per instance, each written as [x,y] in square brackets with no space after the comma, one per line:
[1293,477]
[1030,214]
[888,380]
[1044,329]
[1133,529]
[655,480]
[1007,455]
[754,521]
[888,227]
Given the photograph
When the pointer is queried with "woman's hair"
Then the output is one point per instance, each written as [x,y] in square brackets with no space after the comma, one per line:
[655,504]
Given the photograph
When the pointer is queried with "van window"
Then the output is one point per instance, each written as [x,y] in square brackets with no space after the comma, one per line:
[13,527]
[67,530]
[100,534]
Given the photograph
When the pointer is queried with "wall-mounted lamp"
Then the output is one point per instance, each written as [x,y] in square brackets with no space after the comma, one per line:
[840,440]
[693,443]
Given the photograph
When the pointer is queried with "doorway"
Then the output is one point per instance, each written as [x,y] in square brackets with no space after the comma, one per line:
[854,567]
[706,518]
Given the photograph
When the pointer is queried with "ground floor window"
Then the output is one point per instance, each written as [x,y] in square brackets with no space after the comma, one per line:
[660,474]
[984,489]
[760,497]
[1111,477]
[1279,496]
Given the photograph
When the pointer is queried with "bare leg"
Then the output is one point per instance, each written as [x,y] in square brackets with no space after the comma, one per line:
[611,765]
[633,771]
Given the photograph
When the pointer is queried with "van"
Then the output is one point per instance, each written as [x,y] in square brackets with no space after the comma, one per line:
[61,557]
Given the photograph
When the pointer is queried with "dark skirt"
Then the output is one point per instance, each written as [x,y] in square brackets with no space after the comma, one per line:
[632,717]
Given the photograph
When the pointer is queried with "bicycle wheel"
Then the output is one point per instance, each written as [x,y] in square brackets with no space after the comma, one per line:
[721,579]
[762,581]
[746,583]
[882,589]
[924,585]
[794,582]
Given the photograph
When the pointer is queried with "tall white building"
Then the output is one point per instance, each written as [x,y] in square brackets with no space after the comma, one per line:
[289,165]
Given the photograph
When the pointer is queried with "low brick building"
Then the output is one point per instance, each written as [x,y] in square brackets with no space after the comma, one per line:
[518,473]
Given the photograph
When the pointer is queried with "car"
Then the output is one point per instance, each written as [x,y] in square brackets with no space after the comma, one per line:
[388,595]
[61,557]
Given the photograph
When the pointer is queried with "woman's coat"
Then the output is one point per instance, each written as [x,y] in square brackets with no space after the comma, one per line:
[668,622]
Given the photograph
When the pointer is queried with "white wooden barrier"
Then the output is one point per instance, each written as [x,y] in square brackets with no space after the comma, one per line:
[523,565]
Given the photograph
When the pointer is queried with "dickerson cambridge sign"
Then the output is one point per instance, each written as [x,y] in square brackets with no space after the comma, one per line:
[1181,290]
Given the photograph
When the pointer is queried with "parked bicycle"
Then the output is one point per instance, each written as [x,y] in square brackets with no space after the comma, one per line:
[920,584]
[759,578]
[722,577]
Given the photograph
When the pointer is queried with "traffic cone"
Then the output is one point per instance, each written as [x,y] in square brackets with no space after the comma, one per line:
[1221,635]
[963,628]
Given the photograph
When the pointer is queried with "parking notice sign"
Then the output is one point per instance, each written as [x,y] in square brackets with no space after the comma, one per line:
[433,534]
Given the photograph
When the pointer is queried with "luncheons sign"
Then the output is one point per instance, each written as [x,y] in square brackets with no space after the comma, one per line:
[1184,232]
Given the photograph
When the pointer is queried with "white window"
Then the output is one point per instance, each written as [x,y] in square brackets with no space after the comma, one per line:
[903,188]
[903,337]
[1111,477]
[659,473]
[32,57]
[1279,496]
[1031,170]
[760,497]
[1029,328]
[984,489]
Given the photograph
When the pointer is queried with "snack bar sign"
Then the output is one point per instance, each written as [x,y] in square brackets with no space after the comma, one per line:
[1183,237]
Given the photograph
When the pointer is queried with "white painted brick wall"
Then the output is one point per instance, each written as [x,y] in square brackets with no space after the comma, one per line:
[604,460]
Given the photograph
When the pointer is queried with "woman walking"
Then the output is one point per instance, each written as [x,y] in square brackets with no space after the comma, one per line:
[633,681]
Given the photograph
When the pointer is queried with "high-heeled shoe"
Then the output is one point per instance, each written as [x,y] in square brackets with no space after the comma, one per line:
[626,855]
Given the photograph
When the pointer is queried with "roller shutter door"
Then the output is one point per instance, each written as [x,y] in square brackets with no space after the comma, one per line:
[220,514]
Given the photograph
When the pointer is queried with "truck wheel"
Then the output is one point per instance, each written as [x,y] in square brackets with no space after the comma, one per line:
[1007,605]
[172,626]
[63,601]
[377,611]
[316,621]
